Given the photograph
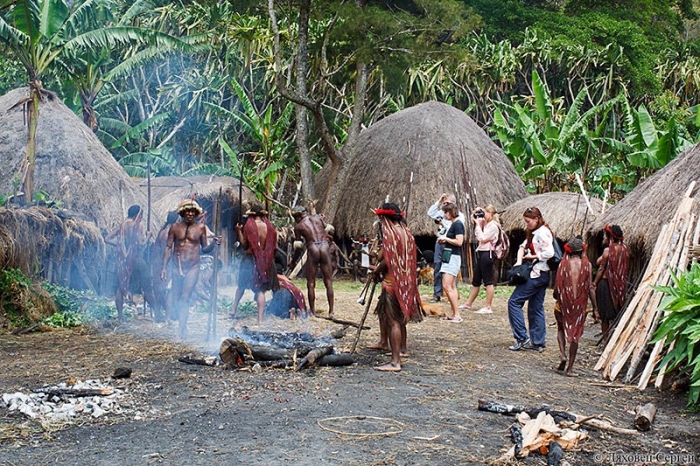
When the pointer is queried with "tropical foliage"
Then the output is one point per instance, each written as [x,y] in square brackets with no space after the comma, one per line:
[679,329]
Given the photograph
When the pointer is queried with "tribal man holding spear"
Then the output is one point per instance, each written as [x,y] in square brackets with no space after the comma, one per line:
[399,302]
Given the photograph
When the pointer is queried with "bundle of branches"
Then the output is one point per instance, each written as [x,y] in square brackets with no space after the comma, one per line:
[640,318]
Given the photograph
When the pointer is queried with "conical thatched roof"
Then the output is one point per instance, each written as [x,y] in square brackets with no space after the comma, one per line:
[443,148]
[564,212]
[642,212]
[72,165]
[168,191]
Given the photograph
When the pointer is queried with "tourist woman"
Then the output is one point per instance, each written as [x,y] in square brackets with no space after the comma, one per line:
[486,230]
[572,289]
[610,283]
[452,259]
[537,248]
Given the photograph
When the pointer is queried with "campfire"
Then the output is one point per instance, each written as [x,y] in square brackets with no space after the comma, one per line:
[246,349]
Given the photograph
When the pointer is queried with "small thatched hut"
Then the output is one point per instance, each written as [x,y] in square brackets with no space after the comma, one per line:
[72,165]
[442,148]
[40,243]
[642,212]
[168,191]
[565,212]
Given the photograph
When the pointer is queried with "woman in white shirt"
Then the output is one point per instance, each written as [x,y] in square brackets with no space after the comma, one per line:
[538,248]
[486,229]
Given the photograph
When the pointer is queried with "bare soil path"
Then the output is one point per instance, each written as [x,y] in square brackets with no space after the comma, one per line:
[173,413]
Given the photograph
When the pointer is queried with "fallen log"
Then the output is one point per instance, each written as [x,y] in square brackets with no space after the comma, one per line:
[644,416]
[313,355]
[336,360]
[77,392]
[205,361]
[265,353]
[591,421]
[344,322]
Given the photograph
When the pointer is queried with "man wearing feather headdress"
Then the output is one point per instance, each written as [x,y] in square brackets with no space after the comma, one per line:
[399,301]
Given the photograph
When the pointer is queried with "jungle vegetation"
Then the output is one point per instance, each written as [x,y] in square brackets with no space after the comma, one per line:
[277,89]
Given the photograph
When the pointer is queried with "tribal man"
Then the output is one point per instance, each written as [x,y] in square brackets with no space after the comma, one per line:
[259,239]
[312,229]
[187,239]
[128,237]
[399,302]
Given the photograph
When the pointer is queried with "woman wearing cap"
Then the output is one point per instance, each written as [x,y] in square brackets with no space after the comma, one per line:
[572,289]
[538,248]
[610,283]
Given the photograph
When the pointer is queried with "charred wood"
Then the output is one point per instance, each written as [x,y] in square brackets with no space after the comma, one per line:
[336,360]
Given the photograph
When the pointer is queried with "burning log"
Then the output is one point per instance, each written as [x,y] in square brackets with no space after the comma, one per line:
[644,416]
[234,352]
[313,355]
[336,360]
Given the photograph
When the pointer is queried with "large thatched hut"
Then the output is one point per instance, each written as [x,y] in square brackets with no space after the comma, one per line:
[72,165]
[168,191]
[642,212]
[566,213]
[442,148]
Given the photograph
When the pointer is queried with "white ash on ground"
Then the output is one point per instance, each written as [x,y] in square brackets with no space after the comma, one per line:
[65,403]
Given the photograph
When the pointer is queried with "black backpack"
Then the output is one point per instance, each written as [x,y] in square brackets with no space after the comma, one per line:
[553,262]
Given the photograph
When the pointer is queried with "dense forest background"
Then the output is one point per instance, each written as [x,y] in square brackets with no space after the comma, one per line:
[607,89]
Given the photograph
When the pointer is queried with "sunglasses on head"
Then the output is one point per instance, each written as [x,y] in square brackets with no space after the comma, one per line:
[529,210]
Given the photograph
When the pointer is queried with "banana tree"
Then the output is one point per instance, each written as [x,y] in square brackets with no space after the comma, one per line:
[269,132]
[41,33]
[542,139]
[644,146]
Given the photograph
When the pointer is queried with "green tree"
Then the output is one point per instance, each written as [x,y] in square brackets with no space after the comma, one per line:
[40,33]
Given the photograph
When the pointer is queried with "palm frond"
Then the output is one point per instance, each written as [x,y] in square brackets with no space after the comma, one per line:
[117,99]
[136,131]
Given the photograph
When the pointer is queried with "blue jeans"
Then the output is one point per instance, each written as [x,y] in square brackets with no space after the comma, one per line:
[437,275]
[532,291]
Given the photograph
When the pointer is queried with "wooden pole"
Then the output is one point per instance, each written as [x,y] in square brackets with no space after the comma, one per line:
[213,295]
[364,317]
[148,219]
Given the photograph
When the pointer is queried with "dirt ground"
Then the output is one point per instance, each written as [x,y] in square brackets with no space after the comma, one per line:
[174,413]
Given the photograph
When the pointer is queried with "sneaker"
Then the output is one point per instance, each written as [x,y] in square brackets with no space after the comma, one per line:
[484,310]
[529,346]
[434,299]
[518,345]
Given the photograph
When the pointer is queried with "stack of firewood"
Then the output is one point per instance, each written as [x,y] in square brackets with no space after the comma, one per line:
[641,318]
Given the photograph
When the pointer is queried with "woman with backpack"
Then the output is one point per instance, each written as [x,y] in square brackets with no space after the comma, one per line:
[486,230]
[537,248]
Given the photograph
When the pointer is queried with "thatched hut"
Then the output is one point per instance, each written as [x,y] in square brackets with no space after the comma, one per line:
[442,148]
[168,191]
[72,165]
[642,212]
[565,212]
[60,249]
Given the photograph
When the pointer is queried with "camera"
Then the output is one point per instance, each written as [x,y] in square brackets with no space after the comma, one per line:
[437,221]
[479,214]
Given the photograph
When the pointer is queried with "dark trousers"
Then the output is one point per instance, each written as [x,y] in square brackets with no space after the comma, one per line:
[437,275]
[532,291]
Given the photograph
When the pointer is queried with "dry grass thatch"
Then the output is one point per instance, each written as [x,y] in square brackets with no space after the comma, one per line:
[443,148]
[35,240]
[642,212]
[168,191]
[72,165]
[564,212]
